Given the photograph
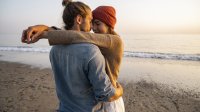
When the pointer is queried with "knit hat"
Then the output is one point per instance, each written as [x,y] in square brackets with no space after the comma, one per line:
[105,14]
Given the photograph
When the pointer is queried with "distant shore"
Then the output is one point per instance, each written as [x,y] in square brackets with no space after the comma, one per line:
[25,89]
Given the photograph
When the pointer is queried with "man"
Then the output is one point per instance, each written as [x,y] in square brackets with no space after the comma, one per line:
[79,69]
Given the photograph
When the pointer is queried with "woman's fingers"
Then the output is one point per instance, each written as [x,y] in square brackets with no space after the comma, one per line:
[35,37]
[24,38]
[29,34]
[32,34]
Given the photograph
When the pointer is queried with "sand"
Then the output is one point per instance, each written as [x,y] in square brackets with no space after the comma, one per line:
[27,89]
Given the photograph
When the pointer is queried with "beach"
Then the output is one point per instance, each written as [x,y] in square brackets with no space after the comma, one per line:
[159,71]
[161,76]
[26,88]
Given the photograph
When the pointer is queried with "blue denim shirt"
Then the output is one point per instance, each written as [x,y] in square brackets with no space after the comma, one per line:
[80,77]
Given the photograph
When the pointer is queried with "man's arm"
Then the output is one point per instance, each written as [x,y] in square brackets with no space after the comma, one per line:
[118,93]
[102,87]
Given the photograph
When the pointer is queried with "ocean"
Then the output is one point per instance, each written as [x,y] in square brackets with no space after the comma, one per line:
[171,47]
[172,59]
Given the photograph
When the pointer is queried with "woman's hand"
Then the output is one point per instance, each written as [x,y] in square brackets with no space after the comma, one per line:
[33,33]
[118,92]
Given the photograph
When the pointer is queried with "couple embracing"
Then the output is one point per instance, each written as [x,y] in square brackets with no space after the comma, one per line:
[85,65]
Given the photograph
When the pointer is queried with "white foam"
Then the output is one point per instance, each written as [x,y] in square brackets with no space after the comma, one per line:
[25,49]
[191,57]
[170,56]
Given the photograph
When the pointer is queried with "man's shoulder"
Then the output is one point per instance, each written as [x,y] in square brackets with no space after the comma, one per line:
[84,47]
[91,46]
[87,49]
[75,46]
[78,49]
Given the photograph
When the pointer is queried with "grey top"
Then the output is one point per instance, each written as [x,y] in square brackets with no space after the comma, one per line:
[80,77]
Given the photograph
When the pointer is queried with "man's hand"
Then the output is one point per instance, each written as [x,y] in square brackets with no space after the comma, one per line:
[32,34]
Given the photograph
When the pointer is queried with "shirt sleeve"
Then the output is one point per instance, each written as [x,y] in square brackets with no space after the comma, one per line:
[66,37]
[100,81]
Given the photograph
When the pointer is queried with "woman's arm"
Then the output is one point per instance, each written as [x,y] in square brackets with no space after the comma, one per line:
[66,37]
[55,36]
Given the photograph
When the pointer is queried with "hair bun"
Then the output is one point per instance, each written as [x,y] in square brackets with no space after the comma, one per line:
[65,2]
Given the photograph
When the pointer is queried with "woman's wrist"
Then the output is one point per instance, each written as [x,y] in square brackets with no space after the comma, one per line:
[53,28]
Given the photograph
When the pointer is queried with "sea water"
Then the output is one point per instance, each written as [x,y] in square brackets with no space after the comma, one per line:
[165,46]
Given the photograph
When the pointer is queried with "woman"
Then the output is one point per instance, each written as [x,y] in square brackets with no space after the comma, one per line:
[111,46]
[104,20]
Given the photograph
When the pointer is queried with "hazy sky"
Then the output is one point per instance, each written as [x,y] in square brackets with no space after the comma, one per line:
[133,16]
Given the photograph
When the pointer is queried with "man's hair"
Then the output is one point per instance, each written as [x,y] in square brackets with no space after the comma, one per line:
[71,10]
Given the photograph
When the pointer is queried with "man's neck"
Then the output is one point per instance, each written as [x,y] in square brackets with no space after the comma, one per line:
[75,27]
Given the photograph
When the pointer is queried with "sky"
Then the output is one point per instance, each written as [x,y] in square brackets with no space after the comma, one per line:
[133,16]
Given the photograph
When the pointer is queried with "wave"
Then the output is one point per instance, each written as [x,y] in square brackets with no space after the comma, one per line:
[169,56]
[24,49]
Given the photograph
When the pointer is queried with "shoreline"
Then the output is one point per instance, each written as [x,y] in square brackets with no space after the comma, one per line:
[25,88]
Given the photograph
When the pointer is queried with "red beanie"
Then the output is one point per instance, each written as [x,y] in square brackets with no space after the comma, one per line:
[105,14]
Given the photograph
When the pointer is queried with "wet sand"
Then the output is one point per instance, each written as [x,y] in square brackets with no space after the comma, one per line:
[24,88]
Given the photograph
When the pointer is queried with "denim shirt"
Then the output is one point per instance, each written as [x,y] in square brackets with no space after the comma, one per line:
[80,77]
